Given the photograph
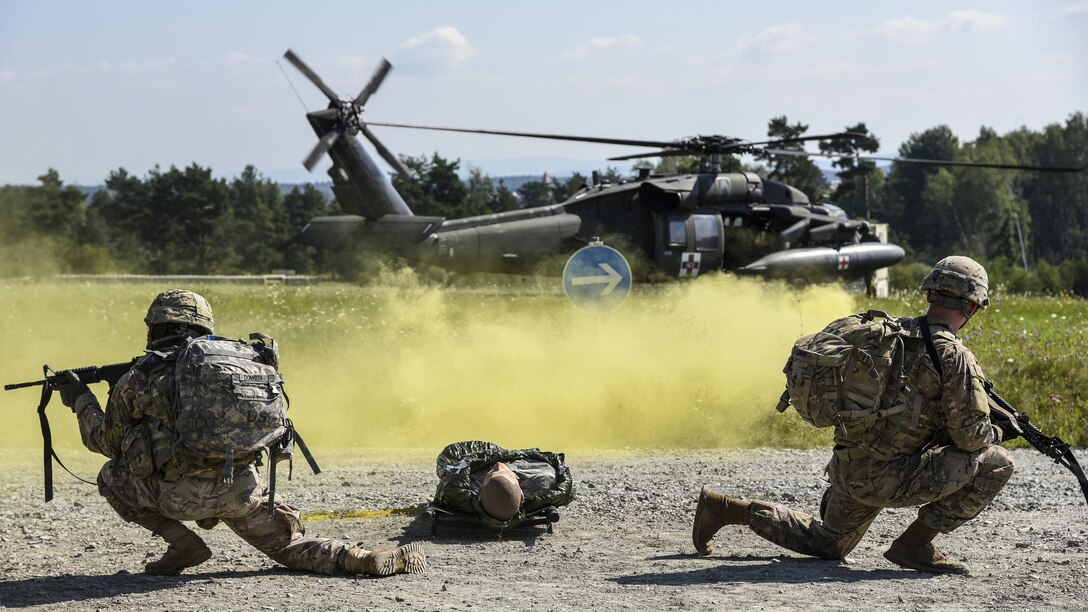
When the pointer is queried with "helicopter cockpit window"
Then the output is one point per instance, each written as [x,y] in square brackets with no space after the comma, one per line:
[678,233]
[708,232]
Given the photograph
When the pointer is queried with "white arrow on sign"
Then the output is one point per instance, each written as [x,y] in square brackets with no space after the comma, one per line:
[611,278]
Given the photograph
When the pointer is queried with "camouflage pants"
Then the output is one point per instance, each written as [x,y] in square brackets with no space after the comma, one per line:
[239,505]
[954,486]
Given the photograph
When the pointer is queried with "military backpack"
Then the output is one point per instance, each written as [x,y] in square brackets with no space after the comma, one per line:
[225,404]
[229,399]
[848,374]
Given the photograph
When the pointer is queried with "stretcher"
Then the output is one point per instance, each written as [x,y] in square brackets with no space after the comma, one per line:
[445,517]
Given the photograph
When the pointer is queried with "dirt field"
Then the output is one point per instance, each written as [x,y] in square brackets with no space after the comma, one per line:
[624,544]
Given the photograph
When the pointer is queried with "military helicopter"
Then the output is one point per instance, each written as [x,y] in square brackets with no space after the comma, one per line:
[680,222]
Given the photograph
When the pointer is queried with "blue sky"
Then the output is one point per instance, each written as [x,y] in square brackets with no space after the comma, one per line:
[89,87]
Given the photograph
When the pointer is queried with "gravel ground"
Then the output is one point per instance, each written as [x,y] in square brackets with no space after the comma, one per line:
[624,544]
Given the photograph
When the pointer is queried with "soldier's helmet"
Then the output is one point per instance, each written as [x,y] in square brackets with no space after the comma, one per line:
[181,307]
[956,281]
[500,492]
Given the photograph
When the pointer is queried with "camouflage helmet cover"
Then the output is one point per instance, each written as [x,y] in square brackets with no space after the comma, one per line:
[180,307]
[957,280]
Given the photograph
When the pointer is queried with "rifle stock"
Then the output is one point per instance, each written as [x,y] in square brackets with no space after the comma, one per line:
[1051,446]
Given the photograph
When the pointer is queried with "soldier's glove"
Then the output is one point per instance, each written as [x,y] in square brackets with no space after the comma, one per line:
[69,386]
[1009,430]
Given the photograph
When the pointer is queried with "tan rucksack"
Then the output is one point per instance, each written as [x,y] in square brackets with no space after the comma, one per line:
[225,404]
[848,374]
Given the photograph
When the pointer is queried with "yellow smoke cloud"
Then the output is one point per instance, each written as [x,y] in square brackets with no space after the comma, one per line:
[693,364]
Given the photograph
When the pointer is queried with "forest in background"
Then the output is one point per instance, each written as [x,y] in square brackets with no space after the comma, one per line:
[1030,228]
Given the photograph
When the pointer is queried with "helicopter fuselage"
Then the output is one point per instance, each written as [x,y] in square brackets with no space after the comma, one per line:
[685,224]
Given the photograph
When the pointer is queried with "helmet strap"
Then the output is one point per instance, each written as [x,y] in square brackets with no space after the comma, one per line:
[967,309]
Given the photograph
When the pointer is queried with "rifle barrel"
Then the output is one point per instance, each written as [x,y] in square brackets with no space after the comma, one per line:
[36,383]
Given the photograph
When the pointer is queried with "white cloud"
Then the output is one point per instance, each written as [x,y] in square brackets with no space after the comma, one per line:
[7,77]
[775,39]
[583,50]
[913,29]
[440,50]
[1073,8]
[234,59]
[958,21]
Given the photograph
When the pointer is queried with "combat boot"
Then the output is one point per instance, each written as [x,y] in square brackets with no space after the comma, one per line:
[407,559]
[714,511]
[915,550]
[186,548]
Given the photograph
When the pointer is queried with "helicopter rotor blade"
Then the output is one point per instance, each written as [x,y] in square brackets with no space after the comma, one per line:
[695,147]
[297,62]
[617,141]
[665,153]
[778,141]
[688,146]
[325,113]
[320,148]
[796,153]
[929,162]
[387,155]
[375,82]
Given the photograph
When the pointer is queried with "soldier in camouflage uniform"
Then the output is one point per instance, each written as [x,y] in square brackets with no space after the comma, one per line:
[157,497]
[942,455]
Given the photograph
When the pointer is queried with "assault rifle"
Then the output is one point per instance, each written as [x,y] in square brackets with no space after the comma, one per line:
[90,374]
[1051,446]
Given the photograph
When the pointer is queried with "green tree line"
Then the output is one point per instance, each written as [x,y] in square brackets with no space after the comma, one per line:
[1030,227]
[176,221]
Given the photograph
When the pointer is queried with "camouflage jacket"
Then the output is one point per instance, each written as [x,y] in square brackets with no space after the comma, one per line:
[950,408]
[461,467]
[136,426]
[104,431]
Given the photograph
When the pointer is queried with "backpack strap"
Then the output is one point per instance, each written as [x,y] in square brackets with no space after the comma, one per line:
[228,465]
[284,442]
[271,483]
[931,348]
[305,450]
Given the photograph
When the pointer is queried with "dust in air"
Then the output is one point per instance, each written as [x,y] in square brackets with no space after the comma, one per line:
[405,365]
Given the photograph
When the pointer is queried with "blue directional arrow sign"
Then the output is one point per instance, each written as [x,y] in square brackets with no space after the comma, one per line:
[597,277]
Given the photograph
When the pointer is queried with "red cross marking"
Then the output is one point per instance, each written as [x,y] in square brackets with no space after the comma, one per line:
[689,266]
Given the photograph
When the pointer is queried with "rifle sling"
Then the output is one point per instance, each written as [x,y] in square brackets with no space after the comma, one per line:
[47,439]
[1073,466]
[48,454]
